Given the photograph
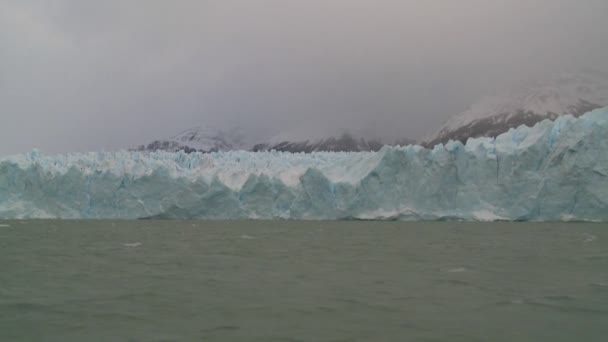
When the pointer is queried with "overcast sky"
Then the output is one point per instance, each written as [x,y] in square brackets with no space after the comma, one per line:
[108,74]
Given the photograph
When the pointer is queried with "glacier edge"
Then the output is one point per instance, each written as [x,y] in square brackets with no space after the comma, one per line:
[550,172]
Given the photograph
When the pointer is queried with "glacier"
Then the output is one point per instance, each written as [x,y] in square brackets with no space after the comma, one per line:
[554,171]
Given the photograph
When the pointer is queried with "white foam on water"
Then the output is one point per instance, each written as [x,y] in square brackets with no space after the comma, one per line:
[567,217]
[4,225]
[589,237]
[132,244]
[487,215]
[247,237]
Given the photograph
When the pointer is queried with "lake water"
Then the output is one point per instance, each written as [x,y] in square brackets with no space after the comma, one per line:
[302,281]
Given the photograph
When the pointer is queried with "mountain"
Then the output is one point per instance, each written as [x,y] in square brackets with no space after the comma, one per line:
[527,104]
[342,143]
[202,139]
[319,139]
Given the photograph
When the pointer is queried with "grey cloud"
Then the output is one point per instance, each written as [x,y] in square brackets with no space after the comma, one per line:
[90,75]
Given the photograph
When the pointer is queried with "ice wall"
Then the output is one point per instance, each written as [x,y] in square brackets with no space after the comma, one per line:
[553,171]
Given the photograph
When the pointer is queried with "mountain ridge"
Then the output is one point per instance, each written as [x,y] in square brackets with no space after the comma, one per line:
[206,140]
[526,104]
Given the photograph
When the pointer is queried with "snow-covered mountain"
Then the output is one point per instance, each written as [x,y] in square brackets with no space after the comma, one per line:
[308,139]
[527,104]
[202,139]
[342,143]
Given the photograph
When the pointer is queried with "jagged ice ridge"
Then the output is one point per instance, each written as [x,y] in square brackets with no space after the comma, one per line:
[553,171]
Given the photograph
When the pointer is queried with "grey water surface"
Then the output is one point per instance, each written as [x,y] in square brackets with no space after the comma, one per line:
[302,281]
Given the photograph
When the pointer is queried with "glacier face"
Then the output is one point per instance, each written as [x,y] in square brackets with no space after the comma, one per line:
[552,171]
